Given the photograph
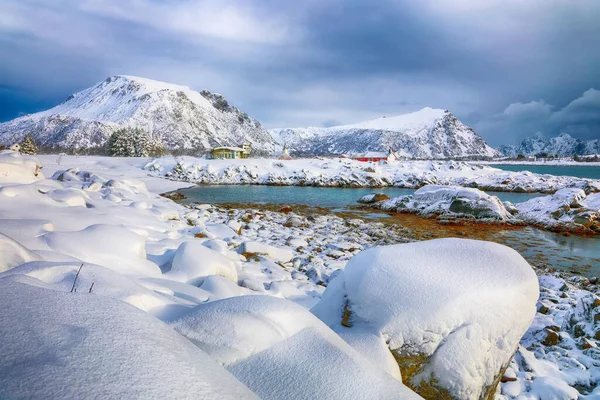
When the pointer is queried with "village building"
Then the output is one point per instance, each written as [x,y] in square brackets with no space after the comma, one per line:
[285,154]
[373,156]
[227,152]
[15,147]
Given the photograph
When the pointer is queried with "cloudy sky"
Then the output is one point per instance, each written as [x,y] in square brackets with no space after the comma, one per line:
[509,68]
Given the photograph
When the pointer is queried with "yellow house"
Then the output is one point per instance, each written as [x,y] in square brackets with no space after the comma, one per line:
[225,152]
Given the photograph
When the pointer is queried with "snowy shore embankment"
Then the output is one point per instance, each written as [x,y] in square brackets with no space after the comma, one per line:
[200,301]
[340,172]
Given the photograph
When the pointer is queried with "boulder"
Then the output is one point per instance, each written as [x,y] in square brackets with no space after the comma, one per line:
[452,311]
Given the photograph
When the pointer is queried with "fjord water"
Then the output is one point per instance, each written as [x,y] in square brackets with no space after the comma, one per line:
[580,171]
[304,195]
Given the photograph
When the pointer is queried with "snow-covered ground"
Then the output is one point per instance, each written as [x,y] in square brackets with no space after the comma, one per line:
[200,301]
[349,173]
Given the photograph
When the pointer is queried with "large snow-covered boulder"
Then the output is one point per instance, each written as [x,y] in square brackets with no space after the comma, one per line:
[452,311]
[282,351]
[18,168]
[193,262]
[452,200]
[58,345]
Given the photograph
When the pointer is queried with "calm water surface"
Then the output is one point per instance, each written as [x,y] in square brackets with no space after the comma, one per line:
[304,195]
[572,253]
[592,172]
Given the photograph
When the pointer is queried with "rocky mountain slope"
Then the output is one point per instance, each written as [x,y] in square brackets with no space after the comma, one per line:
[562,145]
[183,119]
[426,134]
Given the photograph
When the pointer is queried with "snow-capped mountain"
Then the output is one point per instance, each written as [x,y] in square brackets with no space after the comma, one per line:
[562,145]
[428,133]
[183,119]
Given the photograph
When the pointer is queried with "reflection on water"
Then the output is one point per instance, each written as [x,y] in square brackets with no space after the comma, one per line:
[571,253]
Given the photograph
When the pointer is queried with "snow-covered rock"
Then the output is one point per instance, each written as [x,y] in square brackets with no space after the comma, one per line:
[448,200]
[567,209]
[18,168]
[277,254]
[452,311]
[281,351]
[193,262]
[64,345]
[181,118]
[426,134]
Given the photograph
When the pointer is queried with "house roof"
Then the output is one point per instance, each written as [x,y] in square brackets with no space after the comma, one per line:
[228,148]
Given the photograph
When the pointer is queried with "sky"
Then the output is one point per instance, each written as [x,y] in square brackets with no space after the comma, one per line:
[507,68]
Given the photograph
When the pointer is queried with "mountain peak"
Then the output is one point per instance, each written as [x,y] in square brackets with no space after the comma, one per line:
[184,119]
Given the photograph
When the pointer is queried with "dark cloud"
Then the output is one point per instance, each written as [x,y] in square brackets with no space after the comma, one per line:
[509,68]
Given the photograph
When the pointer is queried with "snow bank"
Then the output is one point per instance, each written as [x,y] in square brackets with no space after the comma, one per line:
[67,345]
[349,173]
[452,310]
[281,351]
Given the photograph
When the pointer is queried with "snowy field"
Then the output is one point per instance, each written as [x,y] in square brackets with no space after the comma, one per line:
[349,173]
[114,291]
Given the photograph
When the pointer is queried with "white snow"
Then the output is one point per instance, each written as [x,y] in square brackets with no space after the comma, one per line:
[350,173]
[193,262]
[463,304]
[64,345]
[260,340]
[139,251]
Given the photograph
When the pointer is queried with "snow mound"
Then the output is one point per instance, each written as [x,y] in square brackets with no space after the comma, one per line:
[67,345]
[281,351]
[110,246]
[452,310]
[18,168]
[13,253]
[193,262]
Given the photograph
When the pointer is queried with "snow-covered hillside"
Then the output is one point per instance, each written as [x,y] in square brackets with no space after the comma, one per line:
[428,133]
[182,118]
[562,145]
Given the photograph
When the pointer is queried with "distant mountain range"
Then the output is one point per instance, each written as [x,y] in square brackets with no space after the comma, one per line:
[562,145]
[427,134]
[192,122]
[183,119]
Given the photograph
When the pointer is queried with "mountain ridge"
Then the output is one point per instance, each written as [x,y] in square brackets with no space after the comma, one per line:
[427,133]
[183,119]
[563,145]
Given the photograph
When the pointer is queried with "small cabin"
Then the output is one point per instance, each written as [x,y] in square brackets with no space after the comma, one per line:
[231,153]
[285,154]
[16,147]
[373,156]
